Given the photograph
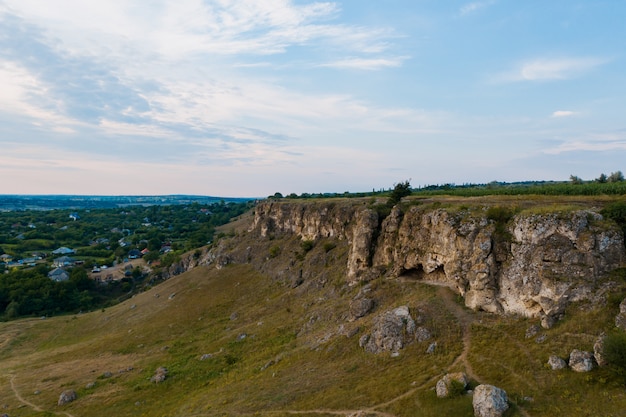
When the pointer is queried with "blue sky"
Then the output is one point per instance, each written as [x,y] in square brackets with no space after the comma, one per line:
[250,97]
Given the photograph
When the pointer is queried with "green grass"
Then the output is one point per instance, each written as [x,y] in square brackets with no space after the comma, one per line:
[294,356]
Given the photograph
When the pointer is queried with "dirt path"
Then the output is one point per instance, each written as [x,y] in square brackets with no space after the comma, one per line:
[28,403]
[465,319]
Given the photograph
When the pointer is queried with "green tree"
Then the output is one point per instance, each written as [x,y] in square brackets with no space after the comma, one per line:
[602,178]
[576,180]
[400,190]
[616,176]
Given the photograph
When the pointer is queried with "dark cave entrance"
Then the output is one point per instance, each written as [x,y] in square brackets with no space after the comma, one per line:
[418,274]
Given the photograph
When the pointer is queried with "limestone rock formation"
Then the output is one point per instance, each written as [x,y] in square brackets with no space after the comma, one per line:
[581,361]
[489,401]
[67,397]
[532,265]
[556,363]
[445,384]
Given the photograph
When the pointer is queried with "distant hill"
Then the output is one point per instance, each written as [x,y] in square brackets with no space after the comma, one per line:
[10,202]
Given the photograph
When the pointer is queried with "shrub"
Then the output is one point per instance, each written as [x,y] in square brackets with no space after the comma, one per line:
[328,246]
[274,251]
[307,245]
[614,352]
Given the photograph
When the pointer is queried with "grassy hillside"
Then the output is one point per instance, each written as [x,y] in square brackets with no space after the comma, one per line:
[239,342]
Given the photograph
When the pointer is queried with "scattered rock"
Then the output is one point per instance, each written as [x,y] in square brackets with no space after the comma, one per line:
[353,332]
[206,356]
[581,361]
[234,316]
[90,385]
[242,336]
[422,334]
[556,363]
[620,319]
[541,338]
[444,385]
[431,348]
[172,295]
[547,321]
[107,374]
[489,401]
[160,375]
[532,331]
[67,397]
[134,306]
[598,351]
[361,307]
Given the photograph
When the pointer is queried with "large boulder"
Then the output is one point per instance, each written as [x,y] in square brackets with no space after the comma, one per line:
[361,307]
[581,361]
[67,397]
[445,386]
[489,401]
[392,331]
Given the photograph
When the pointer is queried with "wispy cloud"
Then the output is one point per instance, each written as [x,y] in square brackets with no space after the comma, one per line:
[599,142]
[367,64]
[475,6]
[549,69]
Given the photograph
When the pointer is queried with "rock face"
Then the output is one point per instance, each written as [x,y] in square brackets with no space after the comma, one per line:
[581,361]
[489,401]
[531,265]
[67,397]
[445,384]
[391,332]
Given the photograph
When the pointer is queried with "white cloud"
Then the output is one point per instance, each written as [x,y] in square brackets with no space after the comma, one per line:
[24,94]
[553,69]
[563,113]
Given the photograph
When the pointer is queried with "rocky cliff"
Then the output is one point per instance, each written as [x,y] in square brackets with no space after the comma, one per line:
[529,263]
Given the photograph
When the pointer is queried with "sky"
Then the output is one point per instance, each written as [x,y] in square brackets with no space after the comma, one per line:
[251,97]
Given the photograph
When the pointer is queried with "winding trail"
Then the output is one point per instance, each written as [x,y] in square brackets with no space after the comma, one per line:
[465,320]
[28,403]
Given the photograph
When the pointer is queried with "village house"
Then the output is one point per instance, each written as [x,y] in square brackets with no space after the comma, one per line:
[63,261]
[63,251]
[59,275]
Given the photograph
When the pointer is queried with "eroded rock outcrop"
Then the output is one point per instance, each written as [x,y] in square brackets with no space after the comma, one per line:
[531,264]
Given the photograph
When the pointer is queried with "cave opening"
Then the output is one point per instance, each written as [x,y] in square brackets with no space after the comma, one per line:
[418,274]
